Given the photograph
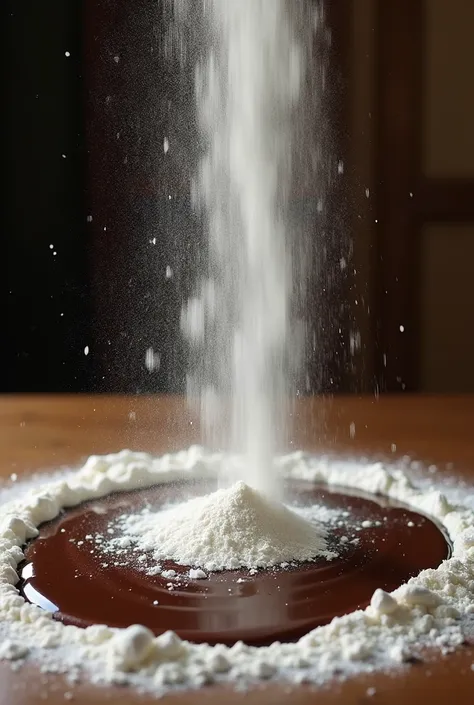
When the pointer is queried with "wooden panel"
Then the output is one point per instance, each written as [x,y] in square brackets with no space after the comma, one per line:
[397,164]
[444,200]
[411,38]
[448,145]
[447,320]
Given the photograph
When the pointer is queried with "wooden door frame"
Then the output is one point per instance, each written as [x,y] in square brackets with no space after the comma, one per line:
[406,199]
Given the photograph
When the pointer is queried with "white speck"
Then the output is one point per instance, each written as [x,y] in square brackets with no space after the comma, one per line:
[352,430]
[354,342]
[340,167]
[411,194]
[166,145]
[152,360]
[393,447]
[63,156]
[342,263]
[51,247]
[197,574]
[167,574]
[371,692]
[169,197]
[132,415]
[54,253]
[67,54]
[367,193]
[366,524]
[13,477]
[86,350]
[410,524]
[116,59]
[89,219]
[152,241]
[169,272]
[155,602]
[402,329]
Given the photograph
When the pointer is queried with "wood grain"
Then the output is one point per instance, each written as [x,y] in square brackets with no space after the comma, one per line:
[41,433]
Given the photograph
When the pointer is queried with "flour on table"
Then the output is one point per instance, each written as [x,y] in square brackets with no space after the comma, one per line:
[434,610]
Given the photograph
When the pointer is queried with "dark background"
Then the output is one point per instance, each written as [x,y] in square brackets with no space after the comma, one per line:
[93,212]
[45,297]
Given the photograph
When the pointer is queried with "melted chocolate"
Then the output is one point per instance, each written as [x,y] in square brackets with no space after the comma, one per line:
[82,586]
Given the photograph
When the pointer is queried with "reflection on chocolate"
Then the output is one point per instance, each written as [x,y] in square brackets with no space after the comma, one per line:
[83,587]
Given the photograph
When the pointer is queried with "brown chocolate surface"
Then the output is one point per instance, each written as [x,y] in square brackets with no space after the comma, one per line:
[67,573]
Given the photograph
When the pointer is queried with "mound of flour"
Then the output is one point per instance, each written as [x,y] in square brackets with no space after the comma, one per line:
[228,529]
[432,611]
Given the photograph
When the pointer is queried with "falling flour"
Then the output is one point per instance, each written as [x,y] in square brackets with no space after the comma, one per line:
[233,528]
[432,611]
[250,90]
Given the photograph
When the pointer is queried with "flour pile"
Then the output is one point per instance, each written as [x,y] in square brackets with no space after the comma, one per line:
[432,611]
[229,529]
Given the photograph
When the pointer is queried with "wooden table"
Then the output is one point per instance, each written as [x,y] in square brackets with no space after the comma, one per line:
[41,433]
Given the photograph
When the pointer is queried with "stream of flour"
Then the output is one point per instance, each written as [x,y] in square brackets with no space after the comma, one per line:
[249,86]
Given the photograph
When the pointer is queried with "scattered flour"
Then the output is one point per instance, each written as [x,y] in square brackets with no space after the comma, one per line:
[228,529]
[433,610]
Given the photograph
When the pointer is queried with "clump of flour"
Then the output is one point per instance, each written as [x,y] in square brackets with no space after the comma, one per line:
[432,611]
[228,529]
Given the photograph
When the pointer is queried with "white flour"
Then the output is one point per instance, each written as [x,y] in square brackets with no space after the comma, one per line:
[228,529]
[249,87]
[433,610]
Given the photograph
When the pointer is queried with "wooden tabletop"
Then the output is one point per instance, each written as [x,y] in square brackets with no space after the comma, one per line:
[43,433]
